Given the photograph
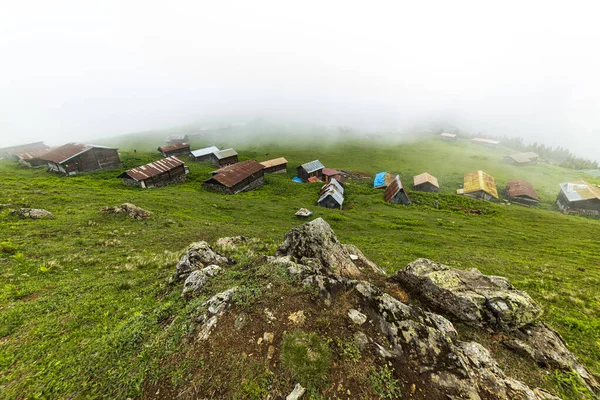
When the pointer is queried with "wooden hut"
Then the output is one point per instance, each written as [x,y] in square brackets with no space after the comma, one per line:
[479,185]
[520,191]
[177,139]
[310,169]
[11,151]
[225,157]
[395,192]
[239,177]
[521,158]
[579,197]
[425,183]
[205,154]
[159,173]
[275,166]
[32,159]
[75,158]
[177,149]
[330,173]
[332,195]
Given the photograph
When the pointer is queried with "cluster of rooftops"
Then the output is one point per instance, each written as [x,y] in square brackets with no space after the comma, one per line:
[233,176]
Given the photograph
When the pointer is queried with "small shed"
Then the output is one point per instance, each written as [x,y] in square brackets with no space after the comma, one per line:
[479,185]
[383,180]
[225,157]
[449,137]
[11,151]
[395,192]
[579,197]
[159,173]
[239,177]
[486,142]
[205,154]
[332,195]
[330,173]
[75,158]
[521,158]
[311,169]
[32,158]
[275,166]
[520,191]
[177,139]
[177,149]
[425,183]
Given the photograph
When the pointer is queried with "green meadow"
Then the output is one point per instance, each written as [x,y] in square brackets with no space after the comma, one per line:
[84,296]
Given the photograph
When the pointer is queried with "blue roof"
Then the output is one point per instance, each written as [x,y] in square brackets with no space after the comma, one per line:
[298,180]
[379,179]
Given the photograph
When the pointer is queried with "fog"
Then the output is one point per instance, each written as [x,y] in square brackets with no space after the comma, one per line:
[73,70]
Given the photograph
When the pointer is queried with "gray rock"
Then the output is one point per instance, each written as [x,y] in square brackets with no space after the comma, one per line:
[33,213]
[361,340]
[197,256]
[195,282]
[316,239]
[207,328]
[547,348]
[296,393]
[357,317]
[131,210]
[220,301]
[469,296]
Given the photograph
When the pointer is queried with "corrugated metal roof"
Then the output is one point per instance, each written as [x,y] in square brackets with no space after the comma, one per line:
[337,196]
[479,180]
[177,137]
[519,187]
[172,147]
[68,151]
[580,190]
[234,174]
[523,158]
[226,153]
[205,151]
[393,189]
[274,162]
[312,166]
[486,141]
[333,183]
[24,148]
[32,154]
[152,169]
[425,177]
[331,171]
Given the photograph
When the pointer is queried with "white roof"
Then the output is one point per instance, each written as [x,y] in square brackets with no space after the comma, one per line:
[205,151]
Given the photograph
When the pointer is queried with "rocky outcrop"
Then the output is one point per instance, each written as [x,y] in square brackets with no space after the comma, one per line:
[131,210]
[33,213]
[197,256]
[195,282]
[547,348]
[316,240]
[469,296]
[216,306]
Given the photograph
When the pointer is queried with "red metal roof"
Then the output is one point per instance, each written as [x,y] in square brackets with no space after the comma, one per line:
[331,171]
[32,154]
[313,179]
[152,169]
[519,187]
[236,173]
[393,189]
[172,147]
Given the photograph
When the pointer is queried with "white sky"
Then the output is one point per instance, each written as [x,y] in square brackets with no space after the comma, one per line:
[71,70]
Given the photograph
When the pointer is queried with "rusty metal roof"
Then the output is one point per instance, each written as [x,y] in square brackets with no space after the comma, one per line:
[333,192]
[312,166]
[274,162]
[333,183]
[479,180]
[519,188]
[234,174]
[66,152]
[313,179]
[32,154]
[580,190]
[152,169]
[24,148]
[226,153]
[171,147]
[424,178]
[331,172]
[393,189]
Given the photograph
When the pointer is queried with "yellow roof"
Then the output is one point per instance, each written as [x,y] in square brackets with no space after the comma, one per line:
[479,180]
[425,177]
[274,162]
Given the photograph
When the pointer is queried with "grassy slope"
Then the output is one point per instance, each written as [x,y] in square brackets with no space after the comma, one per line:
[84,298]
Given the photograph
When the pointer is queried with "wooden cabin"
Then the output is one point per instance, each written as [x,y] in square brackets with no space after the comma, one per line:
[330,173]
[425,183]
[521,158]
[522,192]
[310,170]
[579,197]
[275,166]
[395,192]
[331,195]
[205,154]
[225,157]
[177,139]
[177,149]
[75,158]
[236,178]
[11,151]
[159,173]
[479,185]
[32,159]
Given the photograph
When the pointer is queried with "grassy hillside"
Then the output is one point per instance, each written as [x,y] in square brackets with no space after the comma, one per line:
[84,300]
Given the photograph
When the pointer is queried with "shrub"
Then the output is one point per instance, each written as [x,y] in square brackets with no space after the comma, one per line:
[384,384]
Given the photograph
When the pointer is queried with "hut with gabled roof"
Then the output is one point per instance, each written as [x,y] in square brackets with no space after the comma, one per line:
[159,173]
[522,192]
[275,166]
[32,159]
[425,183]
[177,139]
[479,185]
[331,195]
[75,158]
[225,157]
[11,151]
[177,149]
[521,158]
[579,197]
[395,192]
[236,178]
[313,169]
[205,154]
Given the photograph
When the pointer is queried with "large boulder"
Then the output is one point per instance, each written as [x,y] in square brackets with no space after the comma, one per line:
[33,213]
[316,240]
[469,296]
[197,256]
[547,348]
[195,281]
